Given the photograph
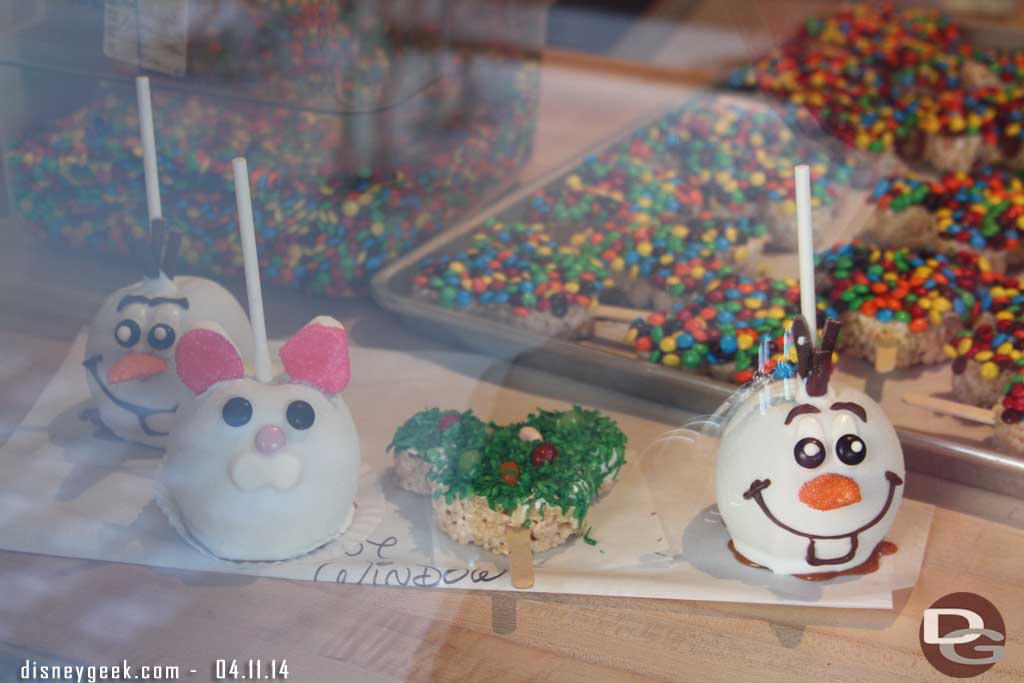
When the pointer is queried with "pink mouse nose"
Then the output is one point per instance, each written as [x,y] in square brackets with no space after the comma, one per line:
[270,439]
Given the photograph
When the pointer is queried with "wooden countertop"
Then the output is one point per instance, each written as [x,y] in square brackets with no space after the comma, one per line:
[89,612]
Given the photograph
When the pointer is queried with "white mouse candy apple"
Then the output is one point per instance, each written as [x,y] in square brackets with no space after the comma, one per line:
[264,471]
[808,477]
[129,357]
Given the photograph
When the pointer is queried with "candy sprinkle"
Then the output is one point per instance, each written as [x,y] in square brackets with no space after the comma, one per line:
[722,330]
[881,78]
[916,287]
[978,210]
[327,219]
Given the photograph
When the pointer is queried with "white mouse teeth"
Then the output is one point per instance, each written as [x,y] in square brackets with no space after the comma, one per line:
[281,471]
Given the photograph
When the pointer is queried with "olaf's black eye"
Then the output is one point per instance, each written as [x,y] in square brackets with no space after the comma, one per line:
[300,415]
[237,411]
[161,336]
[809,452]
[127,333]
[851,449]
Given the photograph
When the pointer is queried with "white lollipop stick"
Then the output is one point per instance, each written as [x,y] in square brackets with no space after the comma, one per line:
[247,230]
[805,242]
[148,148]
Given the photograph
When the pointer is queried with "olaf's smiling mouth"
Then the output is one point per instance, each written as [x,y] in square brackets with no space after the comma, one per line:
[141,413]
[759,485]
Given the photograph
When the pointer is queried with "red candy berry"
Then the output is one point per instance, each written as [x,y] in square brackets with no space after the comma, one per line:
[447,420]
[543,453]
[509,472]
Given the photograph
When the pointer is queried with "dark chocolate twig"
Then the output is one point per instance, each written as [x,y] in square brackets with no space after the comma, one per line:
[169,265]
[143,251]
[814,362]
[830,335]
[157,234]
[821,371]
[804,345]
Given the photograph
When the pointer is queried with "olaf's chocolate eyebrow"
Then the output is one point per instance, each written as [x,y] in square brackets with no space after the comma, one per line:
[797,411]
[854,408]
[155,301]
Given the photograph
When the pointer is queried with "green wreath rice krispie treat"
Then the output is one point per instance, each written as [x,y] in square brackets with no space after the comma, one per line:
[436,434]
[543,473]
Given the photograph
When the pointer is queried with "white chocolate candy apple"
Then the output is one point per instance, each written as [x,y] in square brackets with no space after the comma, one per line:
[129,353]
[809,477]
[264,471]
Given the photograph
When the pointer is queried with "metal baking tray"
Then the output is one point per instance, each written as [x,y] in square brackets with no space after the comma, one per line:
[950,449]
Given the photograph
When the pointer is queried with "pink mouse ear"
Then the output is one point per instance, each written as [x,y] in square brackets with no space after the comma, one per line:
[318,355]
[205,356]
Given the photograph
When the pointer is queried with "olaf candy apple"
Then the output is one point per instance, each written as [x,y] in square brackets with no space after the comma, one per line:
[809,476]
[129,356]
[264,470]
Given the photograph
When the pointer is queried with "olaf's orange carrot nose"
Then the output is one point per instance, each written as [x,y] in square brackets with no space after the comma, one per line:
[135,366]
[829,492]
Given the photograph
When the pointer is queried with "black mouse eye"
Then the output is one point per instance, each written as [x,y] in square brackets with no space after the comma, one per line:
[237,411]
[300,415]
[127,333]
[161,336]
[851,449]
[809,452]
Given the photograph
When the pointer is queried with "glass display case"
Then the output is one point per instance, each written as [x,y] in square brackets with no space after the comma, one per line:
[369,126]
[510,340]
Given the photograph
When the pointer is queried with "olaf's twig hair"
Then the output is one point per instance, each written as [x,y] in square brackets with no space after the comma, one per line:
[814,362]
[142,253]
[821,370]
[801,332]
[159,253]
[830,335]
[169,264]
[157,233]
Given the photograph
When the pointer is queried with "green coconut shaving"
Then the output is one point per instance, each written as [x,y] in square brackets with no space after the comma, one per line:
[422,433]
[591,449]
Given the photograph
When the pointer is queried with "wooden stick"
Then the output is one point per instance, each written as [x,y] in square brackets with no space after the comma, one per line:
[885,357]
[247,229]
[148,147]
[943,407]
[610,331]
[520,556]
[612,66]
[626,315]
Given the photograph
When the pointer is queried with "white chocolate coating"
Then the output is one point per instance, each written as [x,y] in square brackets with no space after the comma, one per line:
[266,486]
[142,410]
[241,504]
[758,445]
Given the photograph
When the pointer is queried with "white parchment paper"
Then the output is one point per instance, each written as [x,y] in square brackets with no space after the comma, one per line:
[66,489]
